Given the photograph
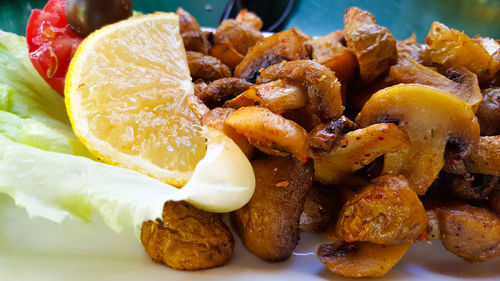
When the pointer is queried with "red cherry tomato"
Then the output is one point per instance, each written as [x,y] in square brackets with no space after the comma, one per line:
[51,43]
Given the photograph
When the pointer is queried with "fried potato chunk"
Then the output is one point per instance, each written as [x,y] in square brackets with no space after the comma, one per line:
[385,212]
[216,117]
[187,238]
[278,96]
[194,40]
[227,54]
[205,67]
[319,82]
[282,46]
[197,106]
[488,114]
[217,92]
[469,232]
[464,84]
[451,48]
[268,224]
[241,35]
[409,49]
[249,19]
[361,259]
[270,132]
[357,149]
[486,158]
[373,45]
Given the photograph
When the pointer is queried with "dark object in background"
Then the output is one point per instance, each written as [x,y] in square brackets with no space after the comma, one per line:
[273,13]
[86,16]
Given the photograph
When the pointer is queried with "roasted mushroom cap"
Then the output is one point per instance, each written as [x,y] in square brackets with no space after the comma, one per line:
[193,38]
[357,149]
[319,82]
[451,48]
[206,68]
[220,90]
[488,113]
[431,118]
[486,158]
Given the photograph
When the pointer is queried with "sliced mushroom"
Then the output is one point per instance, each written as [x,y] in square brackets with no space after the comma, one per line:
[216,118]
[469,232]
[373,45]
[431,118]
[187,238]
[357,149]
[268,224]
[282,46]
[410,49]
[270,132]
[278,96]
[323,137]
[197,106]
[360,259]
[488,113]
[451,48]
[227,54]
[385,212]
[249,19]
[464,84]
[241,36]
[318,81]
[206,68]
[486,158]
[217,92]
[194,39]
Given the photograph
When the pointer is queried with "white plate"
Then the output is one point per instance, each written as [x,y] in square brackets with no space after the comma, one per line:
[36,249]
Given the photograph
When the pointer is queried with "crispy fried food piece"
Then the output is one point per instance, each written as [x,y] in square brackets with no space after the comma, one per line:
[270,132]
[268,224]
[304,117]
[227,54]
[360,259]
[319,82]
[249,19]
[282,46]
[494,202]
[216,117]
[323,137]
[486,158]
[330,52]
[321,208]
[468,187]
[488,113]
[357,149]
[373,45]
[451,48]
[409,49]
[464,84]
[199,86]
[242,36]
[193,37]
[469,232]
[278,96]
[187,238]
[217,92]
[385,212]
[205,67]
[197,106]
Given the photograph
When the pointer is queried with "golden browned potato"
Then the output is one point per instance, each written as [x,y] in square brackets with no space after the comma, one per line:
[319,82]
[410,49]
[197,106]
[488,113]
[385,212]
[216,117]
[321,208]
[464,84]
[323,137]
[423,112]
[268,224]
[451,48]
[194,39]
[187,238]
[270,132]
[485,159]
[249,19]
[227,54]
[241,36]
[373,45]
[278,96]
[282,46]
[469,232]
[360,259]
[217,92]
[205,67]
[357,149]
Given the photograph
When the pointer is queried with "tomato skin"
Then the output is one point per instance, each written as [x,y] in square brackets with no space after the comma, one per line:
[51,43]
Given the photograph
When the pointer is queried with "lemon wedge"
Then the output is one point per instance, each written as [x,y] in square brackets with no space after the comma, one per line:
[125,95]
